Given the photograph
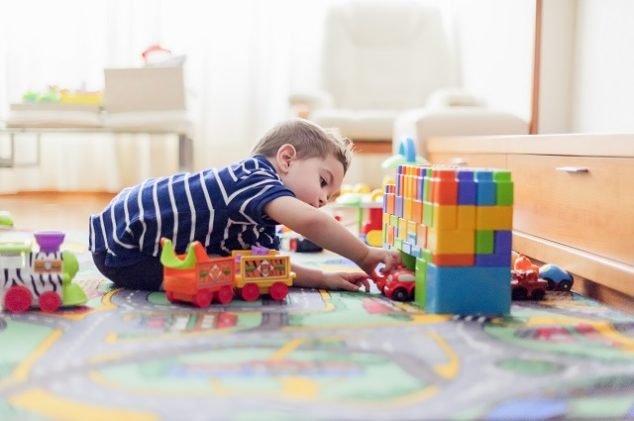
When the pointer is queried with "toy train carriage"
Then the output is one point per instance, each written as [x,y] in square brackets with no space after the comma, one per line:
[195,277]
[262,273]
[41,278]
[200,279]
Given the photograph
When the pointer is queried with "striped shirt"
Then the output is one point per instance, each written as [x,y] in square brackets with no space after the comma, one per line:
[221,208]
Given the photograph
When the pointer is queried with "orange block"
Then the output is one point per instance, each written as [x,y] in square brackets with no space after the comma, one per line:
[417,211]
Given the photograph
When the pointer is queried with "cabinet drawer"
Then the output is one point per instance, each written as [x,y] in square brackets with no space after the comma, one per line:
[581,202]
[469,160]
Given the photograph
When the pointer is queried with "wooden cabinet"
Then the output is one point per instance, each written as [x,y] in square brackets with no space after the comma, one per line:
[574,198]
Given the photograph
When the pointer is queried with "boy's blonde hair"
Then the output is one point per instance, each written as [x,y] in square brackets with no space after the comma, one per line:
[309,140]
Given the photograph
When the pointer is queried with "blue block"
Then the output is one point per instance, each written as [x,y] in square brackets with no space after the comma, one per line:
[417,251]
[407,248]
[485,188]
[468,290]
[466,188]
[501,256]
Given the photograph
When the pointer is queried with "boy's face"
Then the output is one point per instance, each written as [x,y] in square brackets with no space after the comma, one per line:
[313,180]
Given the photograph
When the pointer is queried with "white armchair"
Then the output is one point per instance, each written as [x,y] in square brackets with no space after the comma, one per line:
[389,69]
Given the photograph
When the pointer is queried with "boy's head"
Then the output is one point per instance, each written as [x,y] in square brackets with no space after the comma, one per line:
[309,140]
[310,160]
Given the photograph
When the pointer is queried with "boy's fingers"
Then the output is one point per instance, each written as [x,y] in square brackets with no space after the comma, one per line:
[362,281]
[349,286]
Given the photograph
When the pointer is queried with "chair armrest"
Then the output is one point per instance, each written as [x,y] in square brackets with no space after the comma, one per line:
[423,123]
[443,98]
[304,103]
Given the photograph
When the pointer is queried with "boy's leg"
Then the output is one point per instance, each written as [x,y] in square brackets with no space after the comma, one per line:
[146,274]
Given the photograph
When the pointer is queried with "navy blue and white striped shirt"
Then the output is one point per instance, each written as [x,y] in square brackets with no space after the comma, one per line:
[221,208]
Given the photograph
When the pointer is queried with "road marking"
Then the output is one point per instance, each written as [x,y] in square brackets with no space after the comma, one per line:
[50,405]
[23,370]
[449,369]
[289,347]
[325,295]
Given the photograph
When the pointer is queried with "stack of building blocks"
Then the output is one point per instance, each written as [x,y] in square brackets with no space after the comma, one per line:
[453,226]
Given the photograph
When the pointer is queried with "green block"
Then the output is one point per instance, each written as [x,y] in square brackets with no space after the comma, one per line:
[503,188]
[426,193]
[408,261]
[394,220]
[484,242]
[420,292]
[398,244]
[428,214]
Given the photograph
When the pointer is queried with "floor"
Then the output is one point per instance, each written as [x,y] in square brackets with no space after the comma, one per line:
[52,210]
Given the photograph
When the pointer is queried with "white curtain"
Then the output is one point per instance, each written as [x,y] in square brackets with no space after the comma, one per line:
[244,57]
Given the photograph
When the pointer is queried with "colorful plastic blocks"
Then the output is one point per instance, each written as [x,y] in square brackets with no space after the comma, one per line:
[453,226]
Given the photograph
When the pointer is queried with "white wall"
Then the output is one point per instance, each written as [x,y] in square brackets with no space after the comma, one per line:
[603,89]
[496,39]
[557,56]
[587,66]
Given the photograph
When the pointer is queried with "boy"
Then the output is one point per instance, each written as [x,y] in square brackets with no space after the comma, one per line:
[294,169]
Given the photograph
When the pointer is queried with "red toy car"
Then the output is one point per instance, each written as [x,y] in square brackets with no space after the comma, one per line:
[397,284]
[527,284]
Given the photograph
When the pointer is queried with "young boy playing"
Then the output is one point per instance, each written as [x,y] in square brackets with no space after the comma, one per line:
[295,169]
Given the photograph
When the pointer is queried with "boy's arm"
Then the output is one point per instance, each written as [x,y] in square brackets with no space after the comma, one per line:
[317,226]
[315,278]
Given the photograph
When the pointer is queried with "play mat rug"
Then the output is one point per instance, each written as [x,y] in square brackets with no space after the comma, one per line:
[319,355]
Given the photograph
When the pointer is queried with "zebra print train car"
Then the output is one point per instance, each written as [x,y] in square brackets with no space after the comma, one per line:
[38,278]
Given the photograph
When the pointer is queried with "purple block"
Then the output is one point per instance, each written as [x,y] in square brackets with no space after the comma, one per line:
[466,188]
[399,206]
[502,251]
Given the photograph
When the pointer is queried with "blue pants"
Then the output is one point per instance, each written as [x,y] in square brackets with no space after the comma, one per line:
[146,274]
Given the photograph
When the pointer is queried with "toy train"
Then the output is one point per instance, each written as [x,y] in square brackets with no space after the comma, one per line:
[38,278]
[199,279]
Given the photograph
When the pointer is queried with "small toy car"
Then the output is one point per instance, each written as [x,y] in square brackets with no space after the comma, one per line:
[557,278]
[397,284]
[526,284]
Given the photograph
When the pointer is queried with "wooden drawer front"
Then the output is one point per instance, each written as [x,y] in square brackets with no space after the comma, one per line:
[591,211]
[469,160]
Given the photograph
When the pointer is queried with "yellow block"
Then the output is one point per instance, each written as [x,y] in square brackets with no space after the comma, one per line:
[407,212]
[411,230]
[450,241]
[402,229]
[445,217]
[494,217]
[466,217]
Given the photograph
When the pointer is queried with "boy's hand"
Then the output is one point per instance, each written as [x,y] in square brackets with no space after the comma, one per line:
[375,256]
[347,281]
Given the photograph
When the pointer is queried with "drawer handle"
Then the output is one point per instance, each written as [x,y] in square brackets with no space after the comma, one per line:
[574,170]
[458,161]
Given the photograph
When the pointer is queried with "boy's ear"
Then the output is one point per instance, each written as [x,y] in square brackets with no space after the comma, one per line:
[285,154]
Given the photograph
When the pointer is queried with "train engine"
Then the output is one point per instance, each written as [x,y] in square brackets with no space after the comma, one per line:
[38,278]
